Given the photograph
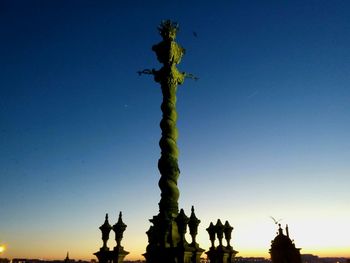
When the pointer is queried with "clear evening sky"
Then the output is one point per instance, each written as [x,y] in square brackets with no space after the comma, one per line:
[264,132]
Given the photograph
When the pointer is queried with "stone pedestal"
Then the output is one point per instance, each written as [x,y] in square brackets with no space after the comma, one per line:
[167,243]
[103,255]
[118,254]
[221,254]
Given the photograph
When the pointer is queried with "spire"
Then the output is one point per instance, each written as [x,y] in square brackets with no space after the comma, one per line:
[105,229]
[105,255]
[280,230]
[193,226]
[287,231]
[119,229]
[67,258]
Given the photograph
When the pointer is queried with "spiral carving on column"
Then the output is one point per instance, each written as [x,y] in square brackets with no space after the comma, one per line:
[169,53]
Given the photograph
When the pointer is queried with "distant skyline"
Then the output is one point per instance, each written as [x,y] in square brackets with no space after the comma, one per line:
[265,131]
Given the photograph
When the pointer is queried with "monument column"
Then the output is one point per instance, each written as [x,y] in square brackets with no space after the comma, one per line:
[166,236]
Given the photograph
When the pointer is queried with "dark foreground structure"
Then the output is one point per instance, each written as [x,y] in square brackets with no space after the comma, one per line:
[166,235]
[118,253]
[283,249]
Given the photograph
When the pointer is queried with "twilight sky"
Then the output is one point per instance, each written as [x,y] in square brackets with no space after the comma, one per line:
[264,132]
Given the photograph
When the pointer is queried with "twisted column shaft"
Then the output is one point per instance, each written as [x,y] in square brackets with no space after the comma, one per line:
[168,162]
[169,53]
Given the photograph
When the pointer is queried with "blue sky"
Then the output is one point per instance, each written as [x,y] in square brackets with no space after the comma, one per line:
[264,131]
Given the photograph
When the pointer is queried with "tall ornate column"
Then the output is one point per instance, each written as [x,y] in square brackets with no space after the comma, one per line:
[169,53]
[166,236]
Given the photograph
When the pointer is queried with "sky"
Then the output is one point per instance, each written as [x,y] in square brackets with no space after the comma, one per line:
[265,131]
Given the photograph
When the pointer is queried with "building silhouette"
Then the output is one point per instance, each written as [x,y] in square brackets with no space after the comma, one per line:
[283,249]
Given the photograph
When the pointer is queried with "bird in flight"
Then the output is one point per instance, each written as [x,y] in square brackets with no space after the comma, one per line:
[276,221]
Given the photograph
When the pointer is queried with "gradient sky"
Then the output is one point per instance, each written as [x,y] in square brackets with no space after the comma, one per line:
[264,132]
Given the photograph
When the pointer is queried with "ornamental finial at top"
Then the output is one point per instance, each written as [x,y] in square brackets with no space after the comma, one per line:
[168,29]
[168,52]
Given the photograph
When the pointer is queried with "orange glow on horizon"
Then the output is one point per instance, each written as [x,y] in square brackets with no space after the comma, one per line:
[2,249]
[137,254]
[251,238]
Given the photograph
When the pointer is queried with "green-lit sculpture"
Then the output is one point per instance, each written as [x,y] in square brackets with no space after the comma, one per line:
[166,236]
[169,53]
